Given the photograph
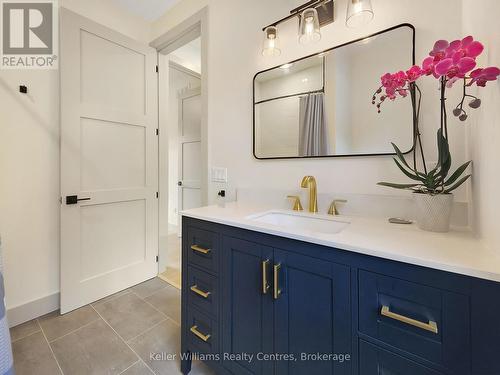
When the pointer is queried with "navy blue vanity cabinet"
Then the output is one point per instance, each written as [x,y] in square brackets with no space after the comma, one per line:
[247,306]
[312,315]
[247,294]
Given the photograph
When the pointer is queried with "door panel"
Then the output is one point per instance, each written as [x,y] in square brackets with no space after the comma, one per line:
[102,252]
[112,75]
[312,314]
[191,115]
[109,156]
[113,155]
[247,312]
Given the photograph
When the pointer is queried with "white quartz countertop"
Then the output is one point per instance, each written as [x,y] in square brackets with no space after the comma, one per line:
[457,251]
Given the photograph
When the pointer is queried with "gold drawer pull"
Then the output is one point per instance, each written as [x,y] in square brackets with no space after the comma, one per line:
[200,292]
[265,284]
[201,336]
[431,326]
[200,249]
[277,290]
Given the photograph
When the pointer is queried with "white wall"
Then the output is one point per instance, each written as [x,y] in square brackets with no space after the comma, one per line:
[484,123]
[234,57]
[29,166]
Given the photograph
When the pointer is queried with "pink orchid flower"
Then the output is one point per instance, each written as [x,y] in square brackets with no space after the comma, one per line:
[414,73]
[481,76]
[394,84]
[439,50]
[456,66]
[467,47]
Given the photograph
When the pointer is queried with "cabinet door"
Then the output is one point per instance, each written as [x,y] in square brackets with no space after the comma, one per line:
[247,310]
[374,360]
[312,315]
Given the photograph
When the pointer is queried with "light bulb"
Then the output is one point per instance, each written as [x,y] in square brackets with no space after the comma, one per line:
[270,44]
[309,26]
[359,13]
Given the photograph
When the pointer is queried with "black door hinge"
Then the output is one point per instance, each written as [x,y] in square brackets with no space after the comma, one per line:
[157,194]
[157,131]
[157,259]
[156,69]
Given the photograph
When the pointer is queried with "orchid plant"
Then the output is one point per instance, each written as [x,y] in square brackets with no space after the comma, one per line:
[448,62]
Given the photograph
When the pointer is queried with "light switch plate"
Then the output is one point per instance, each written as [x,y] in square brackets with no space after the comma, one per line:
[219,174]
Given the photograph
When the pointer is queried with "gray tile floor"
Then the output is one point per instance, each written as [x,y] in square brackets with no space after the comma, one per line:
[115,335]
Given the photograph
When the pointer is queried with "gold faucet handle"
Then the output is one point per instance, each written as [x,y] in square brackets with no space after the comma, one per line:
[333,206]
[297,206]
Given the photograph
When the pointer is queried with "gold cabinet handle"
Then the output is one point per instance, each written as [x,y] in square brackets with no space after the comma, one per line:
[277,290]
[199,292]
[200,249]
[201,336]
[431,326]
[265,284]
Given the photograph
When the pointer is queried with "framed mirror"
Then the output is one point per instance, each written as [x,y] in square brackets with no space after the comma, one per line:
[320,105]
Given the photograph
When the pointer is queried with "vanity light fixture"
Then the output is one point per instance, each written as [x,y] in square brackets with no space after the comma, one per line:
[271,44]
[312,16]
[309,26]
[359,13]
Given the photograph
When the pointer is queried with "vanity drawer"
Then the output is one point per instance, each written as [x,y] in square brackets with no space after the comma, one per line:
[377,361]
[203,248]
[427,322]
[202,332]
[203,291]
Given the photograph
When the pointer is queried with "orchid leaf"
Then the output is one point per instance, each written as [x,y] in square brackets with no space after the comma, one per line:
[397,186]
[444,157]
[408,174]
[400,155]
[460,170]
[460,182]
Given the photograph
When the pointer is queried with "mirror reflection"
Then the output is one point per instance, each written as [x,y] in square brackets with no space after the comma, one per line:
[321,105]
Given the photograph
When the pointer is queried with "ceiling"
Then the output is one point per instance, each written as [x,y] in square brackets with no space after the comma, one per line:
[150,10]
[189,55]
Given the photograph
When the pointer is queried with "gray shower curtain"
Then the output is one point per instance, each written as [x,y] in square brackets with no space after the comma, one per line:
[313,133]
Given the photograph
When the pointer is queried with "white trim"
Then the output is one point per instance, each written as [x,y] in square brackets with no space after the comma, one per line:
[194,26]
[183,69]
[33,309]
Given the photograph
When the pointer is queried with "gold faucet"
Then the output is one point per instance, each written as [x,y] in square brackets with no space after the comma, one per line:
[333,210]
[297,206]
[310,182]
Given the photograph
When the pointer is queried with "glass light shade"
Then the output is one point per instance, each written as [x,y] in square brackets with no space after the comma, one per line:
[309,26]
[359,13]
[271,43]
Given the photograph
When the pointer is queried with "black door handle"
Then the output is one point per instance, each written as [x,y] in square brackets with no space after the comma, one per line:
[73,199]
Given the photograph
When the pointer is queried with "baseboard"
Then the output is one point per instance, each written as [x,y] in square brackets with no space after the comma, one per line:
[31,310]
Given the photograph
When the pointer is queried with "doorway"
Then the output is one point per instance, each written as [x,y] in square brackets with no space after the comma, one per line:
[180,94]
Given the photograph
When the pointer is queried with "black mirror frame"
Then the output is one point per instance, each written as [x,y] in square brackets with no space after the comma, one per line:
[409,25]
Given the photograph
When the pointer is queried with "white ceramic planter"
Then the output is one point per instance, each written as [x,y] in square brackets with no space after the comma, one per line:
[433,212]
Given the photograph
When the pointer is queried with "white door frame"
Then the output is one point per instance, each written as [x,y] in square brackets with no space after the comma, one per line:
[189,29]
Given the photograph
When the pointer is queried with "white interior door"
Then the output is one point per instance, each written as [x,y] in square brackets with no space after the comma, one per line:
[109,237]
[190,162]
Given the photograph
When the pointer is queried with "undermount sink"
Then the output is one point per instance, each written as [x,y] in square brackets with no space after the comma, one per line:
[303,221]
